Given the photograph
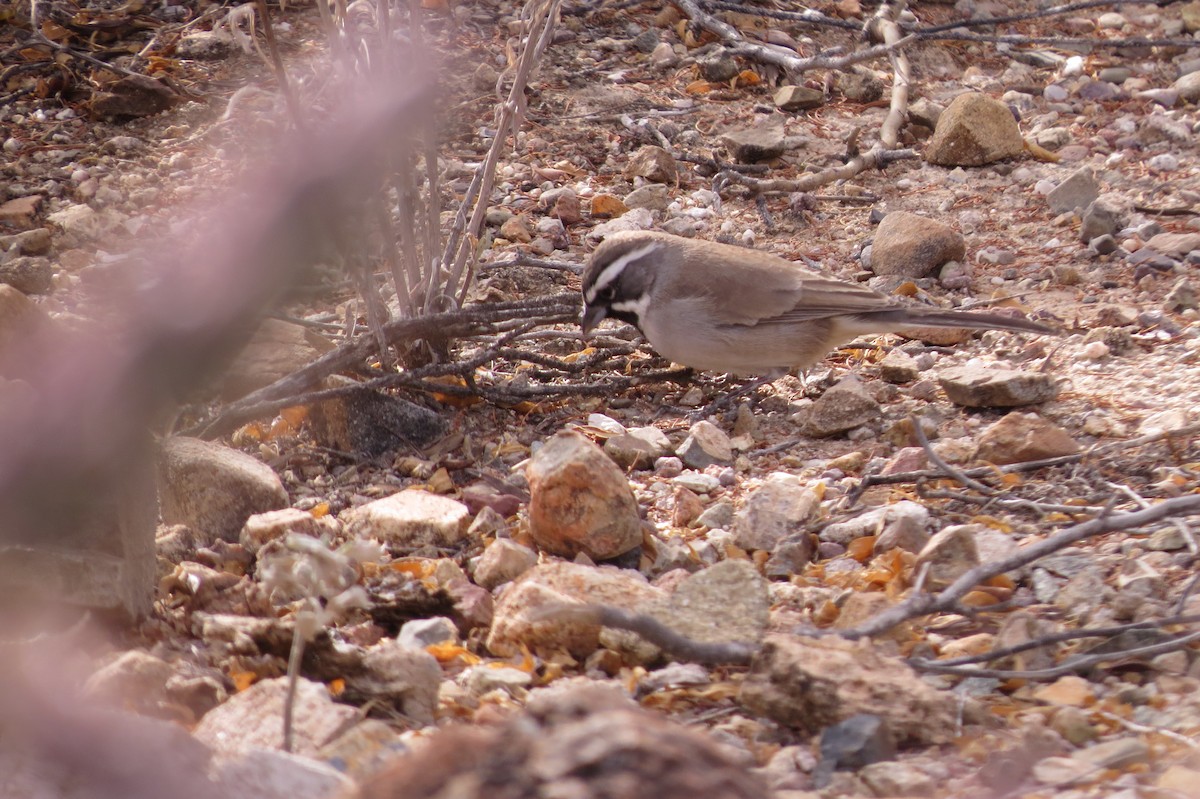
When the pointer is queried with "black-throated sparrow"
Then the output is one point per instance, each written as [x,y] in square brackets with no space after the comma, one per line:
[728,309]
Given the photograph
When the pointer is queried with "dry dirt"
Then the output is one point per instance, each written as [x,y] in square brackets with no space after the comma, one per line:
[591,83]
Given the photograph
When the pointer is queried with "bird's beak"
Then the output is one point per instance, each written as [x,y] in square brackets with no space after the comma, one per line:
[592,316]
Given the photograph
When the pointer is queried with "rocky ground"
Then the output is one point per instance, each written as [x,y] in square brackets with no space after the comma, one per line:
[588,591]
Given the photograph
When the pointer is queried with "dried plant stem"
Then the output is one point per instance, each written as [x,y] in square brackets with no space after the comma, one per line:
[460,245]
[285,86]
[293,674]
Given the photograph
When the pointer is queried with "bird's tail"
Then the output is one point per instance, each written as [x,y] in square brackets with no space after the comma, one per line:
[936,317]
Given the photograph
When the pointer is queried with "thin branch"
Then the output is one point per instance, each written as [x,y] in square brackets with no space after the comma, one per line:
[924,604]
[1071,665]
[874,159]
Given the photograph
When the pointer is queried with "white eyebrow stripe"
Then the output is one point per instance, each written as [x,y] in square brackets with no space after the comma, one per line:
[610,272]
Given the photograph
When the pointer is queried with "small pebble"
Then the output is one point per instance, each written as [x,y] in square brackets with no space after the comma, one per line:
[1096,350]
[1164,162]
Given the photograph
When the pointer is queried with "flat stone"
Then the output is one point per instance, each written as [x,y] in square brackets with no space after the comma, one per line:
[411,519]
[20,211]
[270,774]
[28,275]
[1175,245]
[977,387]
[1078,191]
[276,349]
[517,623]
[798,98]
[762,142]
[29,242]
[371,423]
[725,602]
[262,528]
[808,684]
[652,196]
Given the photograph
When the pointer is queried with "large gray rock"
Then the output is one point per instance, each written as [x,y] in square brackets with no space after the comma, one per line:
[214,489]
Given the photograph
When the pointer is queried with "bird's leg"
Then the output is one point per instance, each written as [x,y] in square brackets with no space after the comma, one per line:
[726,400]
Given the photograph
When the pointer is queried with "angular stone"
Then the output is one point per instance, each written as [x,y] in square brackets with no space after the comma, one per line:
[762,142]
[132,96]
[798,98]
[20,319]
[1175,245]
[580,502]
[370,423]
[851,744]
[214,489]
[606,206]
[845,406]
[974,130]
[502,562]
[914,246]
[1188,87]
[410,519]
[705,445]
[262,528]
[276,349]
[727,602]
[977,387]
[400,676]
[28,275]
[950,553]
[1078,191]
[810,683]
[1105,216]
[777,510]
[518,623]
[571,744]
[1020,437]
[899,367]
[20,211]
[652,163]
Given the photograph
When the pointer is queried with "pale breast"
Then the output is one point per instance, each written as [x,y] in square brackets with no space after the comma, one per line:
[675,333]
